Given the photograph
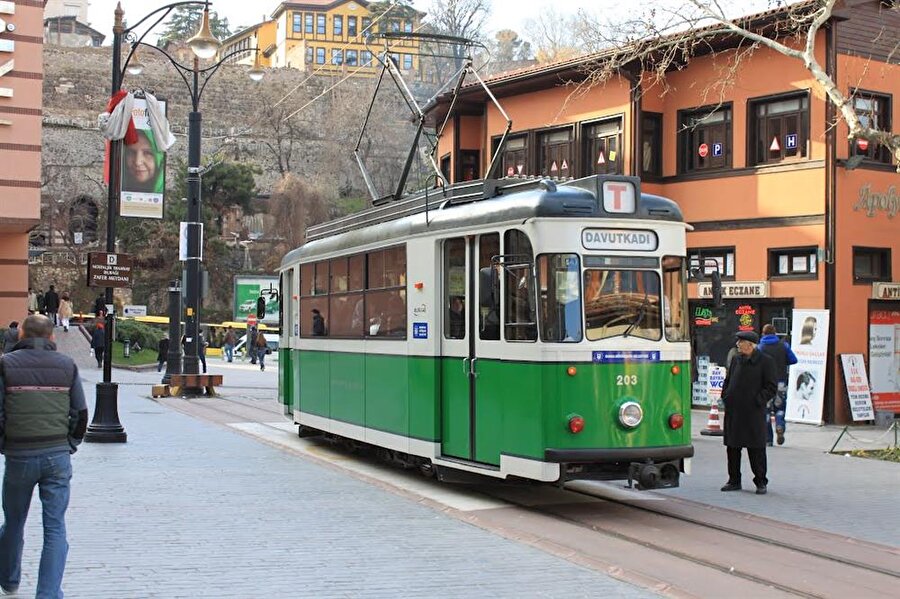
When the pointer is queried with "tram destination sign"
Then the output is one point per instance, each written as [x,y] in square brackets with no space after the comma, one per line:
[109,270]
[632,240]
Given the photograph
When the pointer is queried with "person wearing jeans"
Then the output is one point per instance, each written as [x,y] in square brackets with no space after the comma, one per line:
[781,352]
[43,418]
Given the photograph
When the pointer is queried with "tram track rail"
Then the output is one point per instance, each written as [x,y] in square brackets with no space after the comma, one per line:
[654,542]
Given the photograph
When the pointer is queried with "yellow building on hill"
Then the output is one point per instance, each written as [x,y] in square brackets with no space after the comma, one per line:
[327,36]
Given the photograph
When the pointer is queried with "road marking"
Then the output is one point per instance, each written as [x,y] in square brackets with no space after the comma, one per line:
[285,434]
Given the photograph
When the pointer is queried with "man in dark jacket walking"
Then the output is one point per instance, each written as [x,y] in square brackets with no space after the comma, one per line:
[51,303]
[162,353]
[781,353]
[43,418]
[749,385]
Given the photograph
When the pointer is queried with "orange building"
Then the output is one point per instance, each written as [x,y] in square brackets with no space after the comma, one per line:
[794,215]
[21,76]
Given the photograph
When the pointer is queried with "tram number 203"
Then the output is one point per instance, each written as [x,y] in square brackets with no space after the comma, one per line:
[626,380]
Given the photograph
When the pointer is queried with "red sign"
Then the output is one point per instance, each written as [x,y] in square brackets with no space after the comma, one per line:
[251,320]
[862,144]
[703,150]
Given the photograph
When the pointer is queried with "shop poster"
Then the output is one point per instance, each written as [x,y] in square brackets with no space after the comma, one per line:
[806,381]
[857,385]
[884,359]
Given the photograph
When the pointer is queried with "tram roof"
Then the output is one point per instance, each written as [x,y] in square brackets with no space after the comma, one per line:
[574,199]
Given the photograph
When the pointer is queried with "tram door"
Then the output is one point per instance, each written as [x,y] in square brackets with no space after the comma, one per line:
[466,330]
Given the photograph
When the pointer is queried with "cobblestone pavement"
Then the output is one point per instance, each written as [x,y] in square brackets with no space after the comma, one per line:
[809,487]
[187,508]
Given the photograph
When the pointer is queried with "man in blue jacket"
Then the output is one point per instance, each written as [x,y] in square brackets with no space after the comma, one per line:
[781,352]
[43,418]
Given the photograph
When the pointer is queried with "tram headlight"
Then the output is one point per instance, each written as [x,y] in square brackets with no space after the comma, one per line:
[630,414]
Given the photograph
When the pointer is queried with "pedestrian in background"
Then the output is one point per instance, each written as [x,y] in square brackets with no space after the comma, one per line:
[251,344]
[162,353]
[11,337]
[98,342]
[201,348]
[749,385]
[781,353]
[40,302]
[51,304]
[32,301]
[43,418]
[262,348]
[230,340]
[65,311]
[100,306]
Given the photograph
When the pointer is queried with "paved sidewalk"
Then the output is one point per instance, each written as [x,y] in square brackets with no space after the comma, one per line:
[191,509]
[857,497]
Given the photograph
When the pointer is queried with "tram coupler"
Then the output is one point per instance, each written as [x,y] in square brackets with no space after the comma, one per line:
[648,475]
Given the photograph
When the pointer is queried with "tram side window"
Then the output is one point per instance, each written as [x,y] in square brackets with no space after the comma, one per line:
[675,302]
[559,284]
[621,303]
[346,304]
[519,303]
[455,289]
[385,299]
[314,321]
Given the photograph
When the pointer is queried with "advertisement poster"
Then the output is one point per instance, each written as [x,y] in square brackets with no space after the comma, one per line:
[715,384]
[248,289]
[806,383]
[143,169]
[857,384]
[884,359]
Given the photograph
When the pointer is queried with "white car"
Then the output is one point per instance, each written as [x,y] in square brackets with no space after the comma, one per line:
[248,306]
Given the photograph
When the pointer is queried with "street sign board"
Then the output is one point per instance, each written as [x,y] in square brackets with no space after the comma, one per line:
[135,310]
[109,270]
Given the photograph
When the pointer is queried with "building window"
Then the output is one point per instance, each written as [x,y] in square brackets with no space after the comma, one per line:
[871,265]
[779,128]
[873,110]
[337,56]
[445,166]
[407,62]
[366,57]
[338,26]
[395,58]
[298,22]
[705,139]
[366,24]
[352,56]
[793,262]
[394,25]
[308,23]
[556,153]
[514,160]
[351,26]
[320,55]
[651,144]
[603,148]
[320,24]
[309,54]
[407,26]
[706,260]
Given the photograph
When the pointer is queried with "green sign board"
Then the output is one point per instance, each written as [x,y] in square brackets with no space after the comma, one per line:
[247,289]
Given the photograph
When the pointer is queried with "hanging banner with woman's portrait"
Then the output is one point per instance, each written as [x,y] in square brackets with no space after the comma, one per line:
[806,382]
[143,169]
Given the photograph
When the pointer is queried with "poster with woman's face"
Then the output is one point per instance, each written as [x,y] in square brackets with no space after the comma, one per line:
[143,169]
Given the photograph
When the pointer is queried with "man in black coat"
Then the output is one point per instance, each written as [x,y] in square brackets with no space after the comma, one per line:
[749,385]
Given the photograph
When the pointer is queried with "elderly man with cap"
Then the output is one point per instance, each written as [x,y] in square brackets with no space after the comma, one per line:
[749,385]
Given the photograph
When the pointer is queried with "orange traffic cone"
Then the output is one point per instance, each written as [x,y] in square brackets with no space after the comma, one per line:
[713,425]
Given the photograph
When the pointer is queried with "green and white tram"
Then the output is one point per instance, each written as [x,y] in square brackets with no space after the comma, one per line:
[514,329]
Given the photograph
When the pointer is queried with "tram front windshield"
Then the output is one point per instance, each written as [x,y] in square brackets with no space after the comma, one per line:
[621,303]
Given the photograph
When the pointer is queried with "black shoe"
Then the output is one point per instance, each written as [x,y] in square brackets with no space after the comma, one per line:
[780,432]
[761,489]
[8,590]
[768,444]
[731,487]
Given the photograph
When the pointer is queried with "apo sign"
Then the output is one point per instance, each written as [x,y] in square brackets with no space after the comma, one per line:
[619,239]
[7,47]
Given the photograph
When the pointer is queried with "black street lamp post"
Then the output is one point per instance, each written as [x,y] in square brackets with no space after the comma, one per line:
[105,426]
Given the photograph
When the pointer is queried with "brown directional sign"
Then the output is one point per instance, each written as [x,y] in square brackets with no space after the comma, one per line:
[109,270]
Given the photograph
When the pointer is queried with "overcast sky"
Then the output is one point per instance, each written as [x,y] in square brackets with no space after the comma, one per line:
[505,13]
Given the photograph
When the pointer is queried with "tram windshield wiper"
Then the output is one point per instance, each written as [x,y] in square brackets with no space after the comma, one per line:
[640,316]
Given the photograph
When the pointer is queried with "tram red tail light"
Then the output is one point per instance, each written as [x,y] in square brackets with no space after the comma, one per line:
[676,421]
[576,424]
